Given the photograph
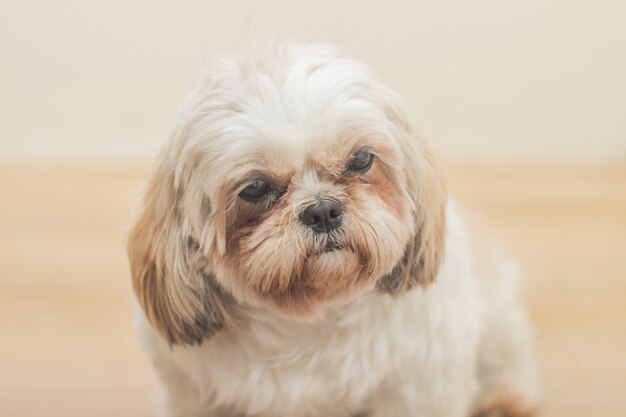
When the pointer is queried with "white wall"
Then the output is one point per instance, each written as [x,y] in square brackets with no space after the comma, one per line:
[519,81]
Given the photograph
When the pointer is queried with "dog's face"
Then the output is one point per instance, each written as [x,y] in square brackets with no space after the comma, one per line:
[293,181]
[311,217]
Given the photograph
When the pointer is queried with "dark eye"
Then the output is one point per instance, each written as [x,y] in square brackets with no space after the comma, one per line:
[256,190]
[361,162]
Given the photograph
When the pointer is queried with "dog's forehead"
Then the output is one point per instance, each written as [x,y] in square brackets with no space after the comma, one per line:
[284,112]
[288,148]
[304,119]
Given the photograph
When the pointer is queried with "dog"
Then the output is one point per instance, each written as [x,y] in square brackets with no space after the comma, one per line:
[297,256]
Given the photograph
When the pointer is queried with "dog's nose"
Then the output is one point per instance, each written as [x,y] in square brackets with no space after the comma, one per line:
[323,216]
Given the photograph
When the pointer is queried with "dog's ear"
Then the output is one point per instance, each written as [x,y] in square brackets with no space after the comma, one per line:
[426,190]
[170,274]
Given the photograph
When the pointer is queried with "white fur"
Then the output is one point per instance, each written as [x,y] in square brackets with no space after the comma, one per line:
[415,355]
[448,349]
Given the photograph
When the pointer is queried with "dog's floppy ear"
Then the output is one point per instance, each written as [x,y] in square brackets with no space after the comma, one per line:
[427,192]
[170,275]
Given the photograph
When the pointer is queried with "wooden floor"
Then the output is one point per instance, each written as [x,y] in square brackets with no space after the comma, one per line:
[66,342]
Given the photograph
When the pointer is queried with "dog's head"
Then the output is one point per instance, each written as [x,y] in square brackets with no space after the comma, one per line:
[293,180]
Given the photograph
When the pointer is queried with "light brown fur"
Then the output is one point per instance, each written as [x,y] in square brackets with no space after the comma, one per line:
[170,277]
[507,407]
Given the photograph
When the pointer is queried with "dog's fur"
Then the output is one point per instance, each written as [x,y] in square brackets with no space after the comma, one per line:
[244,309]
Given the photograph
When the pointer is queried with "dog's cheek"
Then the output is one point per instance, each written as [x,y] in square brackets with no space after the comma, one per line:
[389,194]
[378,232]
[270,256]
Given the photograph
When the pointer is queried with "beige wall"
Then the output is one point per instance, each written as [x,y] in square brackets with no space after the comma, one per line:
[489,80]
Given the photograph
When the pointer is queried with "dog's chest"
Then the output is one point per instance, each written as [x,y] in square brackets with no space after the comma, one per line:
[337,366]
[281,368]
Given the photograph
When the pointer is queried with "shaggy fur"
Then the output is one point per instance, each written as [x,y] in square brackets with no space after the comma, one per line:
[247,311]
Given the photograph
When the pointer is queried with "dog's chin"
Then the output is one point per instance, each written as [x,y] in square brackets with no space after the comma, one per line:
[332,275]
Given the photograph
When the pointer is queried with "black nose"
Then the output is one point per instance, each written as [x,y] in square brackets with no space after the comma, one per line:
[322,216]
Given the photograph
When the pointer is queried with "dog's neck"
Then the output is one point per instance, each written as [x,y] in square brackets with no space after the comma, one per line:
[334,319]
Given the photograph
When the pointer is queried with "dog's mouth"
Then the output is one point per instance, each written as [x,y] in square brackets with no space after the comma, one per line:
[331,246]
[326,245]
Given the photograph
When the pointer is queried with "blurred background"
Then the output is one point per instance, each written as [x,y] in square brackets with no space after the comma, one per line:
[525,102]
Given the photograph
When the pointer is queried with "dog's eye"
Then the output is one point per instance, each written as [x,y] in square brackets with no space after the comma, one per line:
[256,190]
[361,162]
